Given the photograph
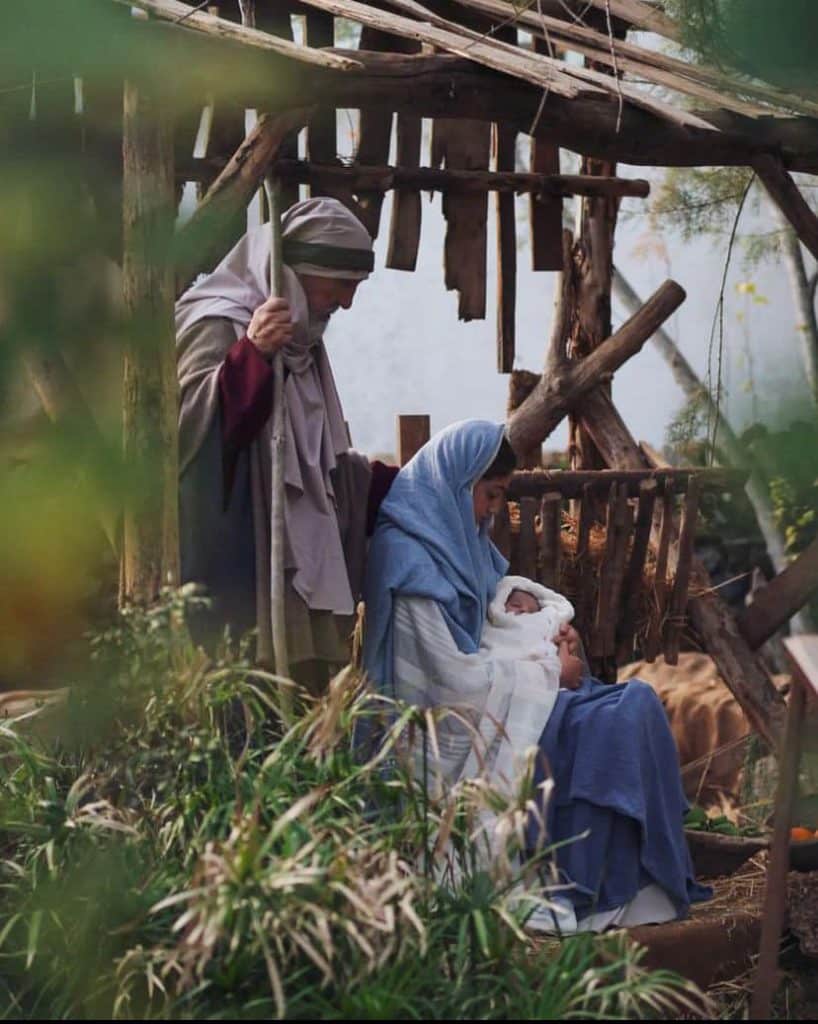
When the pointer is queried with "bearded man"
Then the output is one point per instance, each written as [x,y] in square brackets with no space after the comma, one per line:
[228,328]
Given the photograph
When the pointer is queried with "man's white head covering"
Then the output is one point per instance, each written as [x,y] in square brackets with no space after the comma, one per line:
[322,237]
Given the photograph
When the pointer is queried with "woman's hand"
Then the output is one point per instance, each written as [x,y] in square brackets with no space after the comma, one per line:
[568,635]
[571,667]
[271,326]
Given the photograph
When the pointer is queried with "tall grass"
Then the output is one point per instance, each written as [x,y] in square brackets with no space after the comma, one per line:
[169,851]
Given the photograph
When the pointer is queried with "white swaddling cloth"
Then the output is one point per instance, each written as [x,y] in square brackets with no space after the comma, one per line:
[528,636]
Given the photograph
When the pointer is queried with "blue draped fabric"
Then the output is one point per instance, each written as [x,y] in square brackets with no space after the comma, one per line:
[615,768]
[427,544]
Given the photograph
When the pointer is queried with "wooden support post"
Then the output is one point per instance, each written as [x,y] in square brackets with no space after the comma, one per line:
[374,135]
[653,640]
[501,532]
[783,596]
[322,142]
[527,549]
[151,526]
[619,528]
[404,230]
[787,197]
[551,540]
[803,655]
[585,574]
[505,148]
[413,433]
[559,391]
[681,578]
[633,587]
[545,211]
[198,243]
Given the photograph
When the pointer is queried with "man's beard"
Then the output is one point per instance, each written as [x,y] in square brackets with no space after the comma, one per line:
[316,329]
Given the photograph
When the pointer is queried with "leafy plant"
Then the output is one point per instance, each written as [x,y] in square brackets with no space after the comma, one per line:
[178,854]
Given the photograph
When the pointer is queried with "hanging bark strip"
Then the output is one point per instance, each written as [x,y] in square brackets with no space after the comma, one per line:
[653,640]
[505,149]
[150,557]
[464,145]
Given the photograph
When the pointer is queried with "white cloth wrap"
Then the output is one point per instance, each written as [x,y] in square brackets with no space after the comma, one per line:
[529,635]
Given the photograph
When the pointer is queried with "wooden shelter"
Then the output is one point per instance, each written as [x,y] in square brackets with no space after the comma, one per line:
[563,72]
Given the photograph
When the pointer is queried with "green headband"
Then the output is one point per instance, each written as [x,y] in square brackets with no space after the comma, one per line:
[330,256]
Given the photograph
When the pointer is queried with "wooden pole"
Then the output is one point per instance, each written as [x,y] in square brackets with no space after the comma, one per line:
[150,558]
[787,197]
[775,604]
[413,433]
[278,527]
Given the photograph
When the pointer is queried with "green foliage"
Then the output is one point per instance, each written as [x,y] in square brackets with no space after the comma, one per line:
[174,854]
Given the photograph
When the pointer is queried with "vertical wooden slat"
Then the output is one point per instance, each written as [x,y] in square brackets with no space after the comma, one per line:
[653,641]
[413,433]
[501,532]
[550,540]
[545,211]
[150,554]
[527,551]
[632,587]
[619,529]
[585,575]
[678,597]
[322,142]
[374,134]
[505,148]
[465,145]
[404,229]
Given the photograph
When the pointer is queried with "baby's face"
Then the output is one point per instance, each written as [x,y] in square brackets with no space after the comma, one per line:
[522,603]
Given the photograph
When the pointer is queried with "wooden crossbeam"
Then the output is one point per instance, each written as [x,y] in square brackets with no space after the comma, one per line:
[571,483]
[787,593]
[433,179]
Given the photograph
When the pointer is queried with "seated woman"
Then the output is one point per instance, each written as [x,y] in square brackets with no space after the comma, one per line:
[432,574]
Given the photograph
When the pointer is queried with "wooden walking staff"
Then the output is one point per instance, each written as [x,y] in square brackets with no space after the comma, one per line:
[272,188]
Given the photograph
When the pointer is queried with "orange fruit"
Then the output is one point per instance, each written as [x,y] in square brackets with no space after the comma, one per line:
[801,835]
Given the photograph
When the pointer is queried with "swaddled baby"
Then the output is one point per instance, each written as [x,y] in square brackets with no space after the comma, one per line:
[524,621]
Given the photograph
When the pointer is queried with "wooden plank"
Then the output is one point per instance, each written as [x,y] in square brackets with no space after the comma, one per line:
[322,142]
[382,178]
[583,603]
[551,540]
[545,211]
[619,526]
[374,135]
[570,483]
[527,549]
[632,588]
[775,604]
[404,229]
[413,433]
[787,197]
[465,145]
[501,532]
[505,149]
[150,549]
[681,581]
[653,640]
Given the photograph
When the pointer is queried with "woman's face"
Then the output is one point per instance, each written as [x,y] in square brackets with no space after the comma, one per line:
[489,496]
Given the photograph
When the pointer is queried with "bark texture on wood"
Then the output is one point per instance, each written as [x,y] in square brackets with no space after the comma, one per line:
[374,135]
[404,230]
[322,142]
[200,242]
[787,196]
[151,528]
[561,386]
[545,212]
[571,483]
[775,604]
[632,587]
[465,145]
[413,433]
[550,540]
[681,579]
